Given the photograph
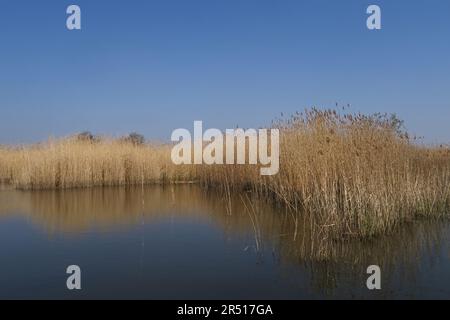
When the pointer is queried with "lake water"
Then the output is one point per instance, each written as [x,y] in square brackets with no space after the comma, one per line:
[183,243]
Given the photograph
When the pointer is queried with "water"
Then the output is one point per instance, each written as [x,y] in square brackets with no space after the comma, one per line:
[183,243]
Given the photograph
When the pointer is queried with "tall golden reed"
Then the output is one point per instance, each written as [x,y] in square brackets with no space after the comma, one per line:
[354,175]
[72,162]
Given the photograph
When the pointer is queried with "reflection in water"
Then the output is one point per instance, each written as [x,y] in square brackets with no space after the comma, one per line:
[272,234]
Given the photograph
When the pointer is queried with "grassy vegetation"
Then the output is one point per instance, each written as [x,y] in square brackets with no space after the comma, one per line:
[75,162]
[354,175]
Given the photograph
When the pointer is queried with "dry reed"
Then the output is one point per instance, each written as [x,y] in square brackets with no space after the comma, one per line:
[354,175]
[71,162]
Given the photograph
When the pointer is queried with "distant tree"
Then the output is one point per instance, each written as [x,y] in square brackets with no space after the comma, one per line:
[86,136]
[135,139]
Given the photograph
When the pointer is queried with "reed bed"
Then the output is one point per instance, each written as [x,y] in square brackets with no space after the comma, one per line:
[353,175]
[68,163]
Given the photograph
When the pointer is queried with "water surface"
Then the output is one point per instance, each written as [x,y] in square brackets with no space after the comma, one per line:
[183,243]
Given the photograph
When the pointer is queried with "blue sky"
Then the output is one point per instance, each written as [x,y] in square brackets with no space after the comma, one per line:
[153,66]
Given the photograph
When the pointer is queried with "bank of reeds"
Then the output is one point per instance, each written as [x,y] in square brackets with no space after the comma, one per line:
[74,162]
[353,175]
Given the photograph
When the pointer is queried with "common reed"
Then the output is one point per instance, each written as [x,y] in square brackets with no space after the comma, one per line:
[353,175]
[71,162]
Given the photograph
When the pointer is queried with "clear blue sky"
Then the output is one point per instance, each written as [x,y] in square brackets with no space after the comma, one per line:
[153,66]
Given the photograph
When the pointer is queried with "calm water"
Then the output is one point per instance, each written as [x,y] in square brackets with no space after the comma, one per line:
[180,242]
